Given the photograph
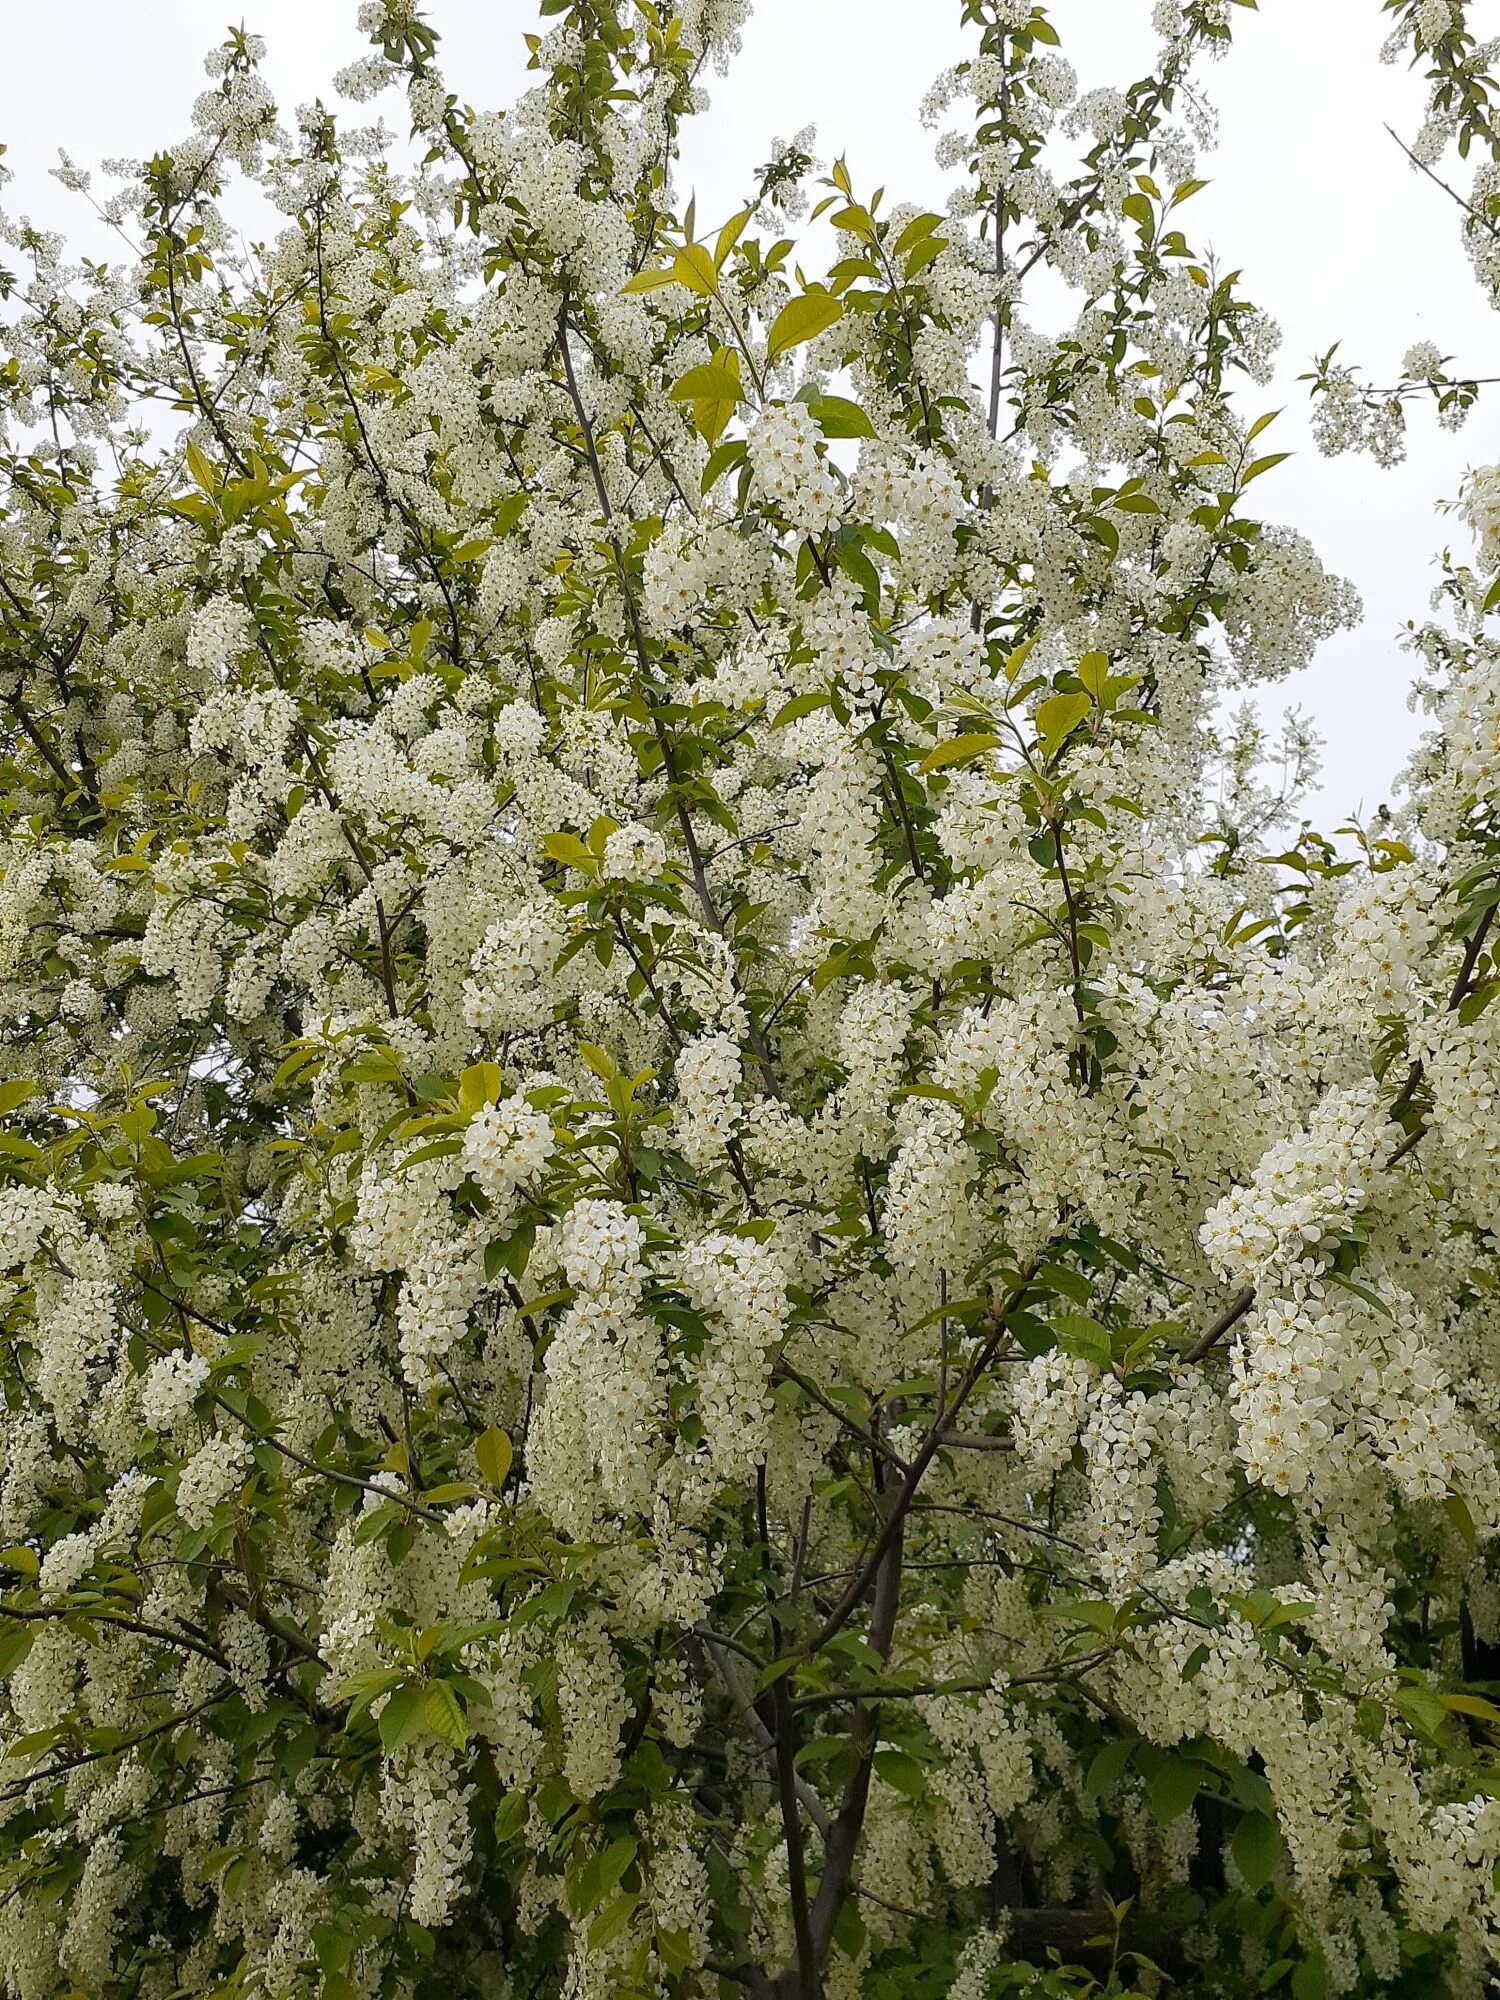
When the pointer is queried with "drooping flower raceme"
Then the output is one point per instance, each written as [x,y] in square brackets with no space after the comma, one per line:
[723,1265]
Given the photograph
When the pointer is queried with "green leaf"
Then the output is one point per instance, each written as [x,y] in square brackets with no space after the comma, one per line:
[675,1949]
[1421,1708]
[609,1923]
[480,1084]
[509,1253]
[15,1644]
[1171,1786]
[722,460]
[444,1715]
[1255,1846]
[613,1863]
[839,418]
[509,511]
[710,380]
[492,1454]
[567,847]
[401,1716]
[900,1770]
[1138,209]
[1093,671]
[1471,1704]
[729,235]
[1085,1336]
[798,706]
[926,252]
[693,268]
[774,1671]
[1108,1767]
[201,470]
[1058,717]
[919,227]
[802,318]
[714,391]
[650,281]
[960,749]
[1310,1980]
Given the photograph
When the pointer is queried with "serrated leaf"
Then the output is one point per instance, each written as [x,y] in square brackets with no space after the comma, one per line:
[919,227]
[960,749]
[480,1084]
[1093,671]
[693,268]
[901,1771]
[492,1454]
[721,460]
[1059,716]
[802,318]
[839,418]
[1171,1787]
[609,1923]
[1108,1767]
[401,1717]
[729,235]
[798,706]
[1255,1845]
[444,1715]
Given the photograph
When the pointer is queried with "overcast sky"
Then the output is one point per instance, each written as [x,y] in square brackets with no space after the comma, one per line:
[1337,236]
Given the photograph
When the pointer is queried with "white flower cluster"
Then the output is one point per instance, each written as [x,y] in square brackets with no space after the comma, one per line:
[597,1423]
[172,1385]
[791,473]
[1482,511]
[741,1286]
[707,1076]
[507,1147]
[213,1475]
[1304,1189]
[1051,1397]
[634,854]
[661,1063]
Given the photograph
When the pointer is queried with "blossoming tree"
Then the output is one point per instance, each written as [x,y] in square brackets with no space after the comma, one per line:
[723,1269]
